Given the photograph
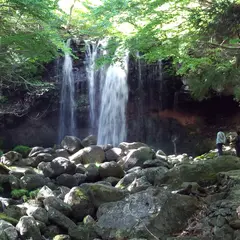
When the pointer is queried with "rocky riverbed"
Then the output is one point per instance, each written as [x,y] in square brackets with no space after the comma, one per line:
[83,191]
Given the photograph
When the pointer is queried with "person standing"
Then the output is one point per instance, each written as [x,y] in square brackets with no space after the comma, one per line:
[220,140]
[237,144]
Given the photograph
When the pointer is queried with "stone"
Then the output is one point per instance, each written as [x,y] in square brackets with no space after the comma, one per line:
[80,203]
[38,213]
[52,231]
[92,173]
[62,153]
[28,229]
[160,155]
[60,219]
[10,157]
[58,204]
[235,224]
[113,154]
[44,157]
[71,144]
[139,184]
[91,154]
[62,191]
[42,165]
[125,146]
[66,180]
[99,193]
[42,226]
[155,163]
[62,237]
[32,181]
[112,180]
[111,169]
[90,140]
[7,231]
[136,157]
[30,161]
[158,210]
[80,169]
[80,178]
[35,150]
[14,211]
[45,192]
[83,232]
[58,166]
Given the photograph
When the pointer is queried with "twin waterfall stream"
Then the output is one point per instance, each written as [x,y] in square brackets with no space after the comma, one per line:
[108,96]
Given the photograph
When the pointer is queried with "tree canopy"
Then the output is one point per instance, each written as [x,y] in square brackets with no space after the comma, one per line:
[200,37]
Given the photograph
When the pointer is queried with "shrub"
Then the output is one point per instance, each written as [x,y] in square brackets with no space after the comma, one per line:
[24,150]
[33,194]
[18,193]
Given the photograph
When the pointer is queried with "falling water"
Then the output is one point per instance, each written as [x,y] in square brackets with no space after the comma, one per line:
[91,56]
[67,102]
[112,121]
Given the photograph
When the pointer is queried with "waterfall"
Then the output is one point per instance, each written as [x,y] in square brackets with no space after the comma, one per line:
[91,56]
[112,120]
[67,100]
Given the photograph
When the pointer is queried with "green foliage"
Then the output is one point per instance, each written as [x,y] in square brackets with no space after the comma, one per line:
[33,194]
[19,193]
[24,150]
[201,37]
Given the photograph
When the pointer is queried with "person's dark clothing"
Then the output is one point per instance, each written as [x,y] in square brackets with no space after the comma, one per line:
[219,147]
[237,147]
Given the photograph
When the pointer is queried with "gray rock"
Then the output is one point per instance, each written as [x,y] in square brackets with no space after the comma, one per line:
[113,154]
[52,231]
[137,157]
[111,169]
[80,178]
[100,193]
[32,181]
[71,144]
[139,184]
[58,166]
[35,151]
[125,146]
[62,191]
[62,237]
[60,219]
[58,204]
[80,169]
[66,180]
[80,203]
[160,155]
[42,165]
[83,233]
[160,211]
[30,161]
[62,153]
[10,157]
[155,163]
[38,213]
[92,173]
[45,192]
[90,140]
[44,157]
[14,211]
[112,180]
[7,231]
[28,229]
[92,154]
[42,226]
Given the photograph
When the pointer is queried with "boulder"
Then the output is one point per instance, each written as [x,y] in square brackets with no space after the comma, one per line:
[14,211]
[52,231]
[160,155]
[113,154]
[58,204]
[7,231]
[44,157]
[137,157]
[154,210]
[92,154]
[58,166]
[112,180]
[139,184]
[90,140]
[10,157]
[60,219]
[111,169]
[80,169]
[62,191]
[125,146]
[35,151]
[28,229]
[30,161]
[62,237]
[71,144]
[101,193]
[32,181]
[80,203]
[80,178]
[62,153]
[83,232]
[156,163]
[66,180]
[38,213]
[92,173]
[45,192]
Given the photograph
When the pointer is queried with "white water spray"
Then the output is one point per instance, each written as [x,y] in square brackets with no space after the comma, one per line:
[67,103]
[112,121]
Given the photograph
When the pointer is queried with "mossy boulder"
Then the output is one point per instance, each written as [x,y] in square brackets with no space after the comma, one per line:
[4,169]
[99,193]
[6,218]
